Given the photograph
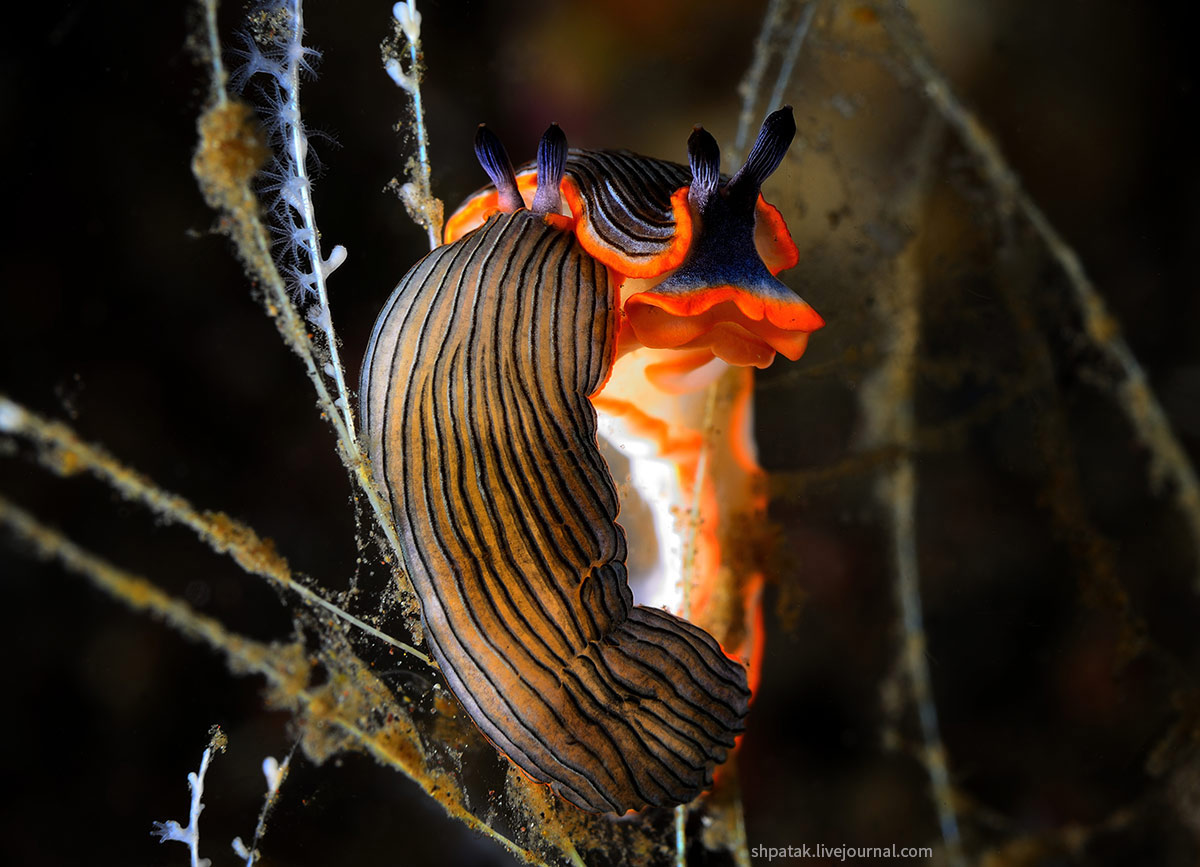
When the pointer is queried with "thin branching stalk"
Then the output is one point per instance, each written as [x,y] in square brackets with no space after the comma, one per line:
[230,193]
[220,76]
[136,592]
[752,81]
[775,22]
[285,667]
[888,406]
[899,494]
[300,186]
[190,835]
[681,814]
[1169,461]
[275,773]
[790,55]
[64,451]
[417,193]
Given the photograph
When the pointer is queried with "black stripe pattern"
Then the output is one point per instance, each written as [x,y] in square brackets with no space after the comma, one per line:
[628,198]
[475,406]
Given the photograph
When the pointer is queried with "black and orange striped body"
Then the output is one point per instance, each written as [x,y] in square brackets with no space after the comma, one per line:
[624,201]
[623,198]
[475,402]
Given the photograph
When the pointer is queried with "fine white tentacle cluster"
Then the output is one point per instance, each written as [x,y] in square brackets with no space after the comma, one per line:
[275,59]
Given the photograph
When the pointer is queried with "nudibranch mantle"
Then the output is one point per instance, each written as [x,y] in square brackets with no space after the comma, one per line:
[480,392]
[694,261]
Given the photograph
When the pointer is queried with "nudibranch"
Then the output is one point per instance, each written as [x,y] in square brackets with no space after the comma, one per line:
[590,281]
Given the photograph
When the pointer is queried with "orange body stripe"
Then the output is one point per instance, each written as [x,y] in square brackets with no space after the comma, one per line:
[773,239]
[621,262]
[472,213]
[738,325]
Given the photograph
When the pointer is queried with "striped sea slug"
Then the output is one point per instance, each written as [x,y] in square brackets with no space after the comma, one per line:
[589,280]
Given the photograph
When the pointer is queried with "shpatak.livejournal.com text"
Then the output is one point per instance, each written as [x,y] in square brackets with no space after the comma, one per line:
[839,853]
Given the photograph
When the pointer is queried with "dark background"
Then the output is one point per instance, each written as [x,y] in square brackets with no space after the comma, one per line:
[125,317]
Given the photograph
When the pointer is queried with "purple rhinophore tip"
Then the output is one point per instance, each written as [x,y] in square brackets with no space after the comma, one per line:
[490,152]
[774,138]
[551,163]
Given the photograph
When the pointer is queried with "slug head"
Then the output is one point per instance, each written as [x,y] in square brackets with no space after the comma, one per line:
[723,297]
[551,163]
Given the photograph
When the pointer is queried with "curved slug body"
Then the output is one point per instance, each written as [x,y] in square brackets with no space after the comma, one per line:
[480,392]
